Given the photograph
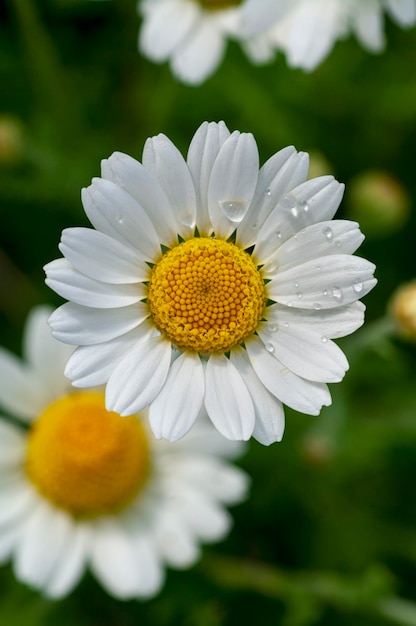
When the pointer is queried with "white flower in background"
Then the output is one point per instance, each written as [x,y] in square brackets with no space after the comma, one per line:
[210,283]
[306,30]
[81,487]
[191,34]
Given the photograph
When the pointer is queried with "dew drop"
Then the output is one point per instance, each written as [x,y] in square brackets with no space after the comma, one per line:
[294,211]
[254,226]
[289,304]
[299,294]
[268,192]
[318,268]
[234,210]
[272,328]
[272,266]
[269,347]
[303,205]
[317,306]
[324,339]
[357,286]
[328,233]
[286,324]
[277,234]
[119,217]
[284,371]
[337,293]
[325,292]
[188,219]
[296,285]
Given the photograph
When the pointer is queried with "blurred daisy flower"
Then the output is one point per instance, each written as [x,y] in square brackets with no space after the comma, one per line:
[82,487]
[210,283]
[306,30]
[190,34]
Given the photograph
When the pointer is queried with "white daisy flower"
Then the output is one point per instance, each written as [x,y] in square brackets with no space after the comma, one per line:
[306,30]
[81,487]
[190,34]
[209,283]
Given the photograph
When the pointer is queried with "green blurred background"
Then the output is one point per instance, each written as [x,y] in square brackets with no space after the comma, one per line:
[328,535]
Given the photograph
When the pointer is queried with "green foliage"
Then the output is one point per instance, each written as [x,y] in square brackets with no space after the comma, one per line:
[328,535]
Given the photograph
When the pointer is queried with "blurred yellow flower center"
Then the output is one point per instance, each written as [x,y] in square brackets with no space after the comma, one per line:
[86,459]
[219,4]
[206,295]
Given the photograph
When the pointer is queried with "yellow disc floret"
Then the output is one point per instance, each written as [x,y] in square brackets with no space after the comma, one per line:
[206,295]
[85,459]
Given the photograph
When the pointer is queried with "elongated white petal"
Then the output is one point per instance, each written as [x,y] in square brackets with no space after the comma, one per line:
[114,212]
[270,417]
[227,400]
[232,183]
[298,393]
[91,366]
[176,544]
[203,151]
[168,166]
[17,499]
[200,55]
[165,27]
[258,15]
[367,23]
[175,409]
[12,445]
[305,352]
[72,562]
[203,516]
[145,189]
[19,390]
[282,172]
[80,325]
[149,568]
[102,257]
[113,560]
[317,240]
[402,11]
[314,201]
[78,288]
[326,283]
[139,376]
[331,323]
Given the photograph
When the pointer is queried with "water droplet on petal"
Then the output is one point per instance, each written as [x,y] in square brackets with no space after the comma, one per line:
[254,226]
[299,294]
[324,339]
[286,324]
[317,306]
[284,371]
[119,217]
[272,328]
[318,268]
[234,210]
[188,218]
[303,205]
[325,292]
[289,304]
[337,293]
[269,347]
[328,233]
[277,234]
[296,285]
[268,192]
[272,266]
[358,286]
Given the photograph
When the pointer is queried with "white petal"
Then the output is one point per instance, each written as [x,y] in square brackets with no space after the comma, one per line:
[176,544]
[165,27]
[139,376]
[227,399]
[168,166]
[12,445]
[145,189]
[150,571]
[74,286]
[270,417]
[301,395]
[314,201]
[80,325]
[203,151]
[175,409]
[206,519]
[19,389]
[331,323]
[41,544]
[200,54]
[102,257]
[114,212]
[318,240]
[72,562]
[46,355]
[91,366]
[17,498]
[282,172]
[258,15]
[367,22]
[113,560]
[403,11]
[232,183]
[327,282]
[305,352]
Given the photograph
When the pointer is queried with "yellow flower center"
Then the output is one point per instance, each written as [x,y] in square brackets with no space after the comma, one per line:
[85,459]
[219,4]
[206,295]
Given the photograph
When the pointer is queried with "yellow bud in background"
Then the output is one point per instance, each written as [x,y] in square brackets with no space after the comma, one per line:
[403,310]
[379,202]
[11,140]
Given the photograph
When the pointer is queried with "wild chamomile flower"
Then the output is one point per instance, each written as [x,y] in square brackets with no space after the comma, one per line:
[209,283]
[82,487]
[306,30]
[190,34]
